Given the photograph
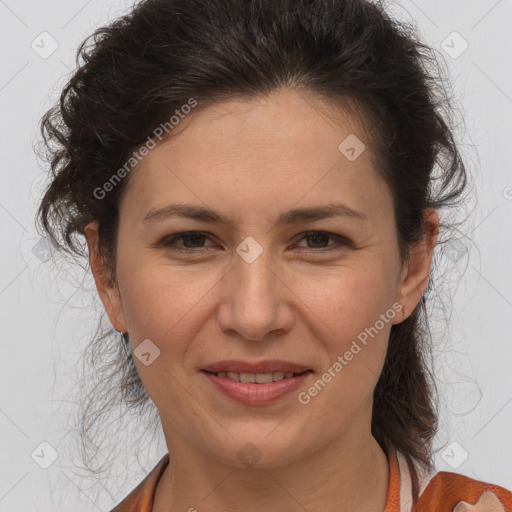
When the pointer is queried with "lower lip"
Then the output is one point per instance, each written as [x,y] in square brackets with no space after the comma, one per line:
[256,394]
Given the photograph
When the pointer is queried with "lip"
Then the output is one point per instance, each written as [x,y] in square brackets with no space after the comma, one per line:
[256,394]
[267,366]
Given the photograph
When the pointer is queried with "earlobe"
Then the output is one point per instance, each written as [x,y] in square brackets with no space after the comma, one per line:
[416,272]
[109,294]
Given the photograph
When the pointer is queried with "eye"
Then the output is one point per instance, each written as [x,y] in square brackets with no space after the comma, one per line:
[193,238]
[193,241]
[321,237]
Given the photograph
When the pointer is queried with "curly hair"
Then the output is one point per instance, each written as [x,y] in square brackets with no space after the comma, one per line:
[136,72]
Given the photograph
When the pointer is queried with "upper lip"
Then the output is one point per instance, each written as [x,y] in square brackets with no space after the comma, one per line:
[268,366]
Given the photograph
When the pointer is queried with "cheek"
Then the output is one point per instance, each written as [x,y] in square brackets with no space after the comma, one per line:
[352,323]
[350,312]
[159,299]
[348,299]
[162,304]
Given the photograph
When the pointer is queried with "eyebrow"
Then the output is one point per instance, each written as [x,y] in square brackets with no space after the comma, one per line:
[294,216]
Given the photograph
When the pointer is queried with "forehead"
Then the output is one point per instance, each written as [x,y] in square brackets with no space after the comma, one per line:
[282,149]
[286,119]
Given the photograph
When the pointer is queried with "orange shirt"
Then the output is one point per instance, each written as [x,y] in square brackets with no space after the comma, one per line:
[439,492]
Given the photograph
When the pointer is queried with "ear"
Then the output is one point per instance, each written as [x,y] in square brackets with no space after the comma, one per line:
[416,272]
[109,293]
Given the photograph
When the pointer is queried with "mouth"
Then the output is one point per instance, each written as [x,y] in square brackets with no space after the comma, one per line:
[257,378]
[260,387]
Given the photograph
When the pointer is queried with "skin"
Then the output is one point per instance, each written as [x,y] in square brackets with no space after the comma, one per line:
[252,160]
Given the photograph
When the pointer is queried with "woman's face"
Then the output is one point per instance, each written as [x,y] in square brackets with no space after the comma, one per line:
[252,289]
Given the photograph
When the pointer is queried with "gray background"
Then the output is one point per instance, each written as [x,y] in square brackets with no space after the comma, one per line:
[47,320]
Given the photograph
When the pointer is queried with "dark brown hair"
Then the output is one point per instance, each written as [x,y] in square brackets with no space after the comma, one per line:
[135,73]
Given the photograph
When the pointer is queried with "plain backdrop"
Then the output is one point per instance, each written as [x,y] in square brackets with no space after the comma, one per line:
[47,316]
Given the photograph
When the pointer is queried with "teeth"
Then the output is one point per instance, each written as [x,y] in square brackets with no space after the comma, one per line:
[264,378]
[247,377]
[260,378]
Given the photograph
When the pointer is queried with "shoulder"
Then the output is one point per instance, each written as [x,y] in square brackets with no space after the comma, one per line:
[141,498]
[452,492]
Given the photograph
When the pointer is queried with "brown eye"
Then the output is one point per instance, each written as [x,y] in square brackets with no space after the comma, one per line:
[193,241]
[194,238]
[320,241]
[318,238]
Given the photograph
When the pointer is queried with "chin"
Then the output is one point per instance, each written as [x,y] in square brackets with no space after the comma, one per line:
[259,448]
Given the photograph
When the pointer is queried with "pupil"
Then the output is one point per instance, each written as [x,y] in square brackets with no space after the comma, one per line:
[193,236]
[316,236]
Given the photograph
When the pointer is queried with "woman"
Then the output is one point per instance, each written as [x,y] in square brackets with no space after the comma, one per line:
[260,185]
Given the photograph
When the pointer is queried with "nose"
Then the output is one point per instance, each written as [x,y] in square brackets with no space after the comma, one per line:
[255,300]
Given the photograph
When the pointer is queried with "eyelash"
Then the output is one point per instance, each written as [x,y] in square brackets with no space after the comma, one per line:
[168,242]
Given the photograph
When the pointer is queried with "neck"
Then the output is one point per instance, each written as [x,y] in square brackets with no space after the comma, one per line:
[348,475]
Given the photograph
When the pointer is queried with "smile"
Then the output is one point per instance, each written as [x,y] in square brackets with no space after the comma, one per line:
[256,388]
[259,378]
